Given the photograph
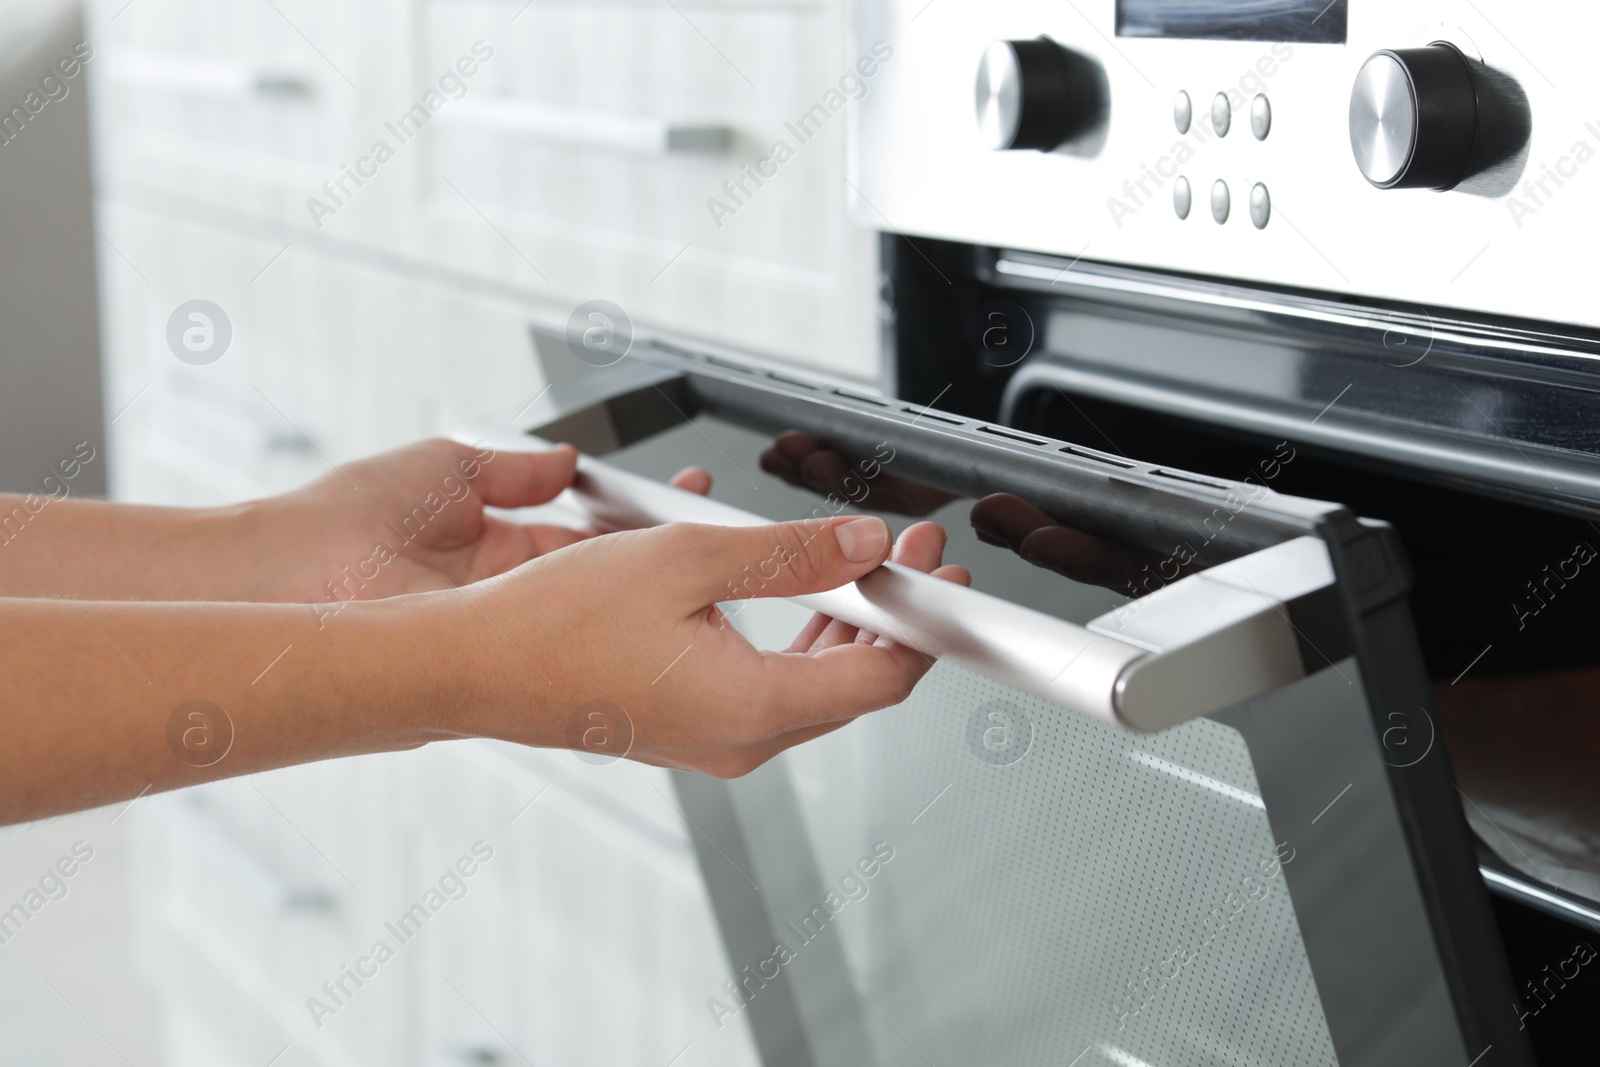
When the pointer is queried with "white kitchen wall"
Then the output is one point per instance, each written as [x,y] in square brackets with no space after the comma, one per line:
[575,164]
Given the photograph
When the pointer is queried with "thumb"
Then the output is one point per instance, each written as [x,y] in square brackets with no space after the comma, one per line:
[784,559]
[520,479]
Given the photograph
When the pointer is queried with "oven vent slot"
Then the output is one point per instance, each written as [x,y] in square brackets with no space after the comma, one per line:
[1100,457]
[1193,479]
[730,364]
[934,416]
[861,399]
[1013,435]
[798,383]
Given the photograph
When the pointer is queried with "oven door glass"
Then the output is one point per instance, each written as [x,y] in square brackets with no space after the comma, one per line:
[981,875]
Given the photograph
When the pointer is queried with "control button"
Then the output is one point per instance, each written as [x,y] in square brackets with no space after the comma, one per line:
[1260,206]
[1181,197]
[1414,117]
[1260,117]
[1035,94]
[1220,201]
[1182,112]
[1221,114]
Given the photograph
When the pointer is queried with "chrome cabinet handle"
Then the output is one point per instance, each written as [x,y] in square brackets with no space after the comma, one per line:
[207,76]
[259,876]
[1194,647]
[590,127]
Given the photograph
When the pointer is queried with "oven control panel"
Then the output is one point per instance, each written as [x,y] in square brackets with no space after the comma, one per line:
[1428,153]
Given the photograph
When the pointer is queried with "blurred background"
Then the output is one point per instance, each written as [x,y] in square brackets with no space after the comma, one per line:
[222,160]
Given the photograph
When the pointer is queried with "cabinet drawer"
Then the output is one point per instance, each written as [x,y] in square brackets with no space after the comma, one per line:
[588,158]
[248,107]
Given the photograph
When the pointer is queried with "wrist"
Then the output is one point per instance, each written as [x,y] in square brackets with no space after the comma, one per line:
[413,677]
[268,548]
[488,677]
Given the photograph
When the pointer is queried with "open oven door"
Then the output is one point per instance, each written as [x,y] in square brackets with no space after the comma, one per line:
[1211,825]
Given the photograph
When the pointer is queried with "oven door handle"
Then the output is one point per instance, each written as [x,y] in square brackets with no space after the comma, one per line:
[1192,648]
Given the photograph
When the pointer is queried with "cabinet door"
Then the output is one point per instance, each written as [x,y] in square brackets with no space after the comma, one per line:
[585,936]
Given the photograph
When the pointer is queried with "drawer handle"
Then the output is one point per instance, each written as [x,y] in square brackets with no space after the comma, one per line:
[589,128]
[211,77]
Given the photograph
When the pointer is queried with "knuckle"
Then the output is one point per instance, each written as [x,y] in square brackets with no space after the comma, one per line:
[798,551]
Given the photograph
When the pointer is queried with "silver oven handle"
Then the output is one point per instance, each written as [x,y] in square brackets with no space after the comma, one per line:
[1196,646]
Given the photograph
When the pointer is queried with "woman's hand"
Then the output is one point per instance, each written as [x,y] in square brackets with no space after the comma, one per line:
[406,521]
[413,520]
[616,644]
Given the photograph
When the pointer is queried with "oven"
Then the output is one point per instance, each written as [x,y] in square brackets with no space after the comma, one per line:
[1246,352]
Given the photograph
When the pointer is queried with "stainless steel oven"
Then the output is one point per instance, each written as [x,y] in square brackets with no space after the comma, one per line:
[1247,353]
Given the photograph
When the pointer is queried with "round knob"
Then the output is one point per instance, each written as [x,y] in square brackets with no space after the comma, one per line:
[1414,117]
[1034,94]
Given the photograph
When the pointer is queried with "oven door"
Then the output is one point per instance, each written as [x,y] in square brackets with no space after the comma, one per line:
[1211,825]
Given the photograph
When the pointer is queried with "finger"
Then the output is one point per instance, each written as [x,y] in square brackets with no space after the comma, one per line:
[1002,518]
[815,627]
[804,689]
[794,445]
[721,563]
[1084,557]
[692,479]
[824,472]
[788,450]
[920,547]
[776,465]
[1009,521]
[516,479]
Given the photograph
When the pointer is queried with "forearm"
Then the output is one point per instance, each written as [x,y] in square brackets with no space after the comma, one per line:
[91,550]
[93,689]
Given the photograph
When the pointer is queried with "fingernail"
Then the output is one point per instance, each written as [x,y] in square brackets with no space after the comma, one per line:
[862,539]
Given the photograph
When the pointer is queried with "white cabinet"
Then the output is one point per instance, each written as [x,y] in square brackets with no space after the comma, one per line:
[465,903]
[559,152]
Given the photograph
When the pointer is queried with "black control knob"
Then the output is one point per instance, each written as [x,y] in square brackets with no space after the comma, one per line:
[1414,117]
[1035,94]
